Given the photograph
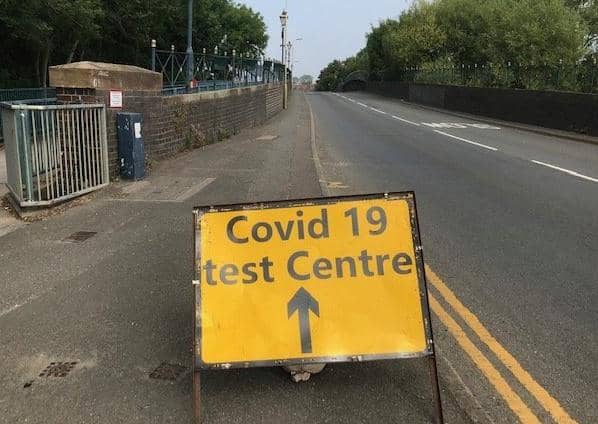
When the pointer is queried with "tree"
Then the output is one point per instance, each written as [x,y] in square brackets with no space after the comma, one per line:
[247,28]
[378,45]
[47,29]
[588,10]
[532,32]
[306,80]
[439,36]
[331,76]
[38,33]
[412,39]
[465,24]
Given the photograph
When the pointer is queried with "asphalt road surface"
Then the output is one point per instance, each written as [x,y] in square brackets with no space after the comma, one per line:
[509,226]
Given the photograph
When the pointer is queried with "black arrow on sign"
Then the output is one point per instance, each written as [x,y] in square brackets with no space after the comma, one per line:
[303,302]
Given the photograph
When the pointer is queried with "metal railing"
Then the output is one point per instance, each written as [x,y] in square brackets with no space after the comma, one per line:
[208,67]
[13,94]
[54,152]
[581,77]
[203,86]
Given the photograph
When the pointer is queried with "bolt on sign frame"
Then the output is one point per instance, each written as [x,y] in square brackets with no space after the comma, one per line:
[246,316]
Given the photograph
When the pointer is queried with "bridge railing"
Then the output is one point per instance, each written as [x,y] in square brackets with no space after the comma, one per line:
[54,152]
[203,86]
[214,67]
[579,77]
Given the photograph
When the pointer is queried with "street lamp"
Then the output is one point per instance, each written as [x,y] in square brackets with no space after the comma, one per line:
[233,67]
[190,59]
[290,52]
[284,19]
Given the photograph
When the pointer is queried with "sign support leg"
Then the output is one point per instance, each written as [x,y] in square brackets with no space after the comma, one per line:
[196,396]
[196,324]
[435,389]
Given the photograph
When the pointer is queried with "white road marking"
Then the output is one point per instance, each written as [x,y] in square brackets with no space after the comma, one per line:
[378,110]
[314,149]
[494,149]
[484,126]
[195,189]
[361,104]
[460,125]
[18,305]
[405,120]
[567,171]
[444,125]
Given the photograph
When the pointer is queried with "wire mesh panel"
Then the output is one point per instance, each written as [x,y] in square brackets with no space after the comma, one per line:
[57,152]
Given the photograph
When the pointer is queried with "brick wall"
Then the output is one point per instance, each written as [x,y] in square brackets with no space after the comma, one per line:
[175,123]
[274,95]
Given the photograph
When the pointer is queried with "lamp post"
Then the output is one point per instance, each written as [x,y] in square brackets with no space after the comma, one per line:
[284,18]
[154,55]
[288,63]
[234,69]
[291,53]
[190,61]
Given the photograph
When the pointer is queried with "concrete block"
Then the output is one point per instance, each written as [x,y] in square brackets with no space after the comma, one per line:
[104,76]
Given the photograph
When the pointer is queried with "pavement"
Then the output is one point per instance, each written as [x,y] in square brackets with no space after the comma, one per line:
[510,245]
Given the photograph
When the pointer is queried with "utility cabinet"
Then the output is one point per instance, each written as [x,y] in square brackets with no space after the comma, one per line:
[131,151]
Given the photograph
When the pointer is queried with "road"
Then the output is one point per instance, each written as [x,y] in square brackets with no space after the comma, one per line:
[510,246]
[509,224]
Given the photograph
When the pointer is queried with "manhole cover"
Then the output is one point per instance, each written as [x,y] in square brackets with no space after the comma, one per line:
[167,371]
[79,236]
[58,369]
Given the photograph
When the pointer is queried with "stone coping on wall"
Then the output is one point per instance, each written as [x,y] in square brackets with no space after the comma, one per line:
[219,94]
[104,76]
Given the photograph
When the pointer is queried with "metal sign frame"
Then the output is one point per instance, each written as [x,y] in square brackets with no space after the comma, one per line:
[429,352]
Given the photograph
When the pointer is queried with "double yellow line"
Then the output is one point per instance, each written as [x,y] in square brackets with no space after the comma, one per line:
[515,403]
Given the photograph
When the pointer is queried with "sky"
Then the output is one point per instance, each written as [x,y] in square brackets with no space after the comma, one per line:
[331,29]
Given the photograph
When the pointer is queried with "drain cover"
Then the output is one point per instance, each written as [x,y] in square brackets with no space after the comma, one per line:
[58,369]
[79,236]
[167,371]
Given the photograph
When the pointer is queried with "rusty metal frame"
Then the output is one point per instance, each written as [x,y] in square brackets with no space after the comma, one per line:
[428,352]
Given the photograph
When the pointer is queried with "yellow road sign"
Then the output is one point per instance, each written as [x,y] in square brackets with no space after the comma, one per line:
[336,279]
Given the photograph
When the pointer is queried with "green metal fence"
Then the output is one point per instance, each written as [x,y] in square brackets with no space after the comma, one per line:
[9,95]
[54,152]
[581,77]
[17,94]
[214,71]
